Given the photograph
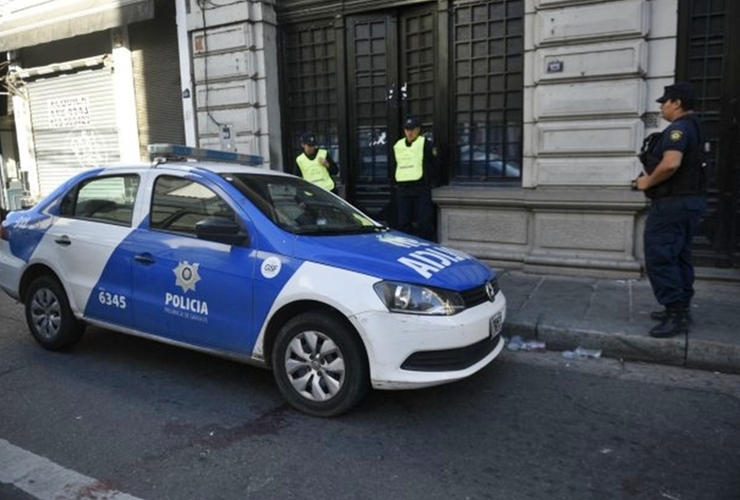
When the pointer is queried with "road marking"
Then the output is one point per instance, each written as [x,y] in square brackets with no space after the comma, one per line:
[45,480]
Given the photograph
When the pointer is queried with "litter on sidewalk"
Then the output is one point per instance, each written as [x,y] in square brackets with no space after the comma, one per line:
[582,353]
[516,343]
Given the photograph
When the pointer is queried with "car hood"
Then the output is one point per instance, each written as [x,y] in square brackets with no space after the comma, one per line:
[396,256]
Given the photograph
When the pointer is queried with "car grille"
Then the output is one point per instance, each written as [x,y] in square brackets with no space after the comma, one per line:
[476,296]
[450,359]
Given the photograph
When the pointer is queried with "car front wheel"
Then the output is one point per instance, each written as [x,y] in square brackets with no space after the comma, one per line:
[49,316]
[320,365]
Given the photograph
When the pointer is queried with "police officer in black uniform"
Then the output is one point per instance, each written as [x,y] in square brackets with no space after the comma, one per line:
[675,181]
[415,173]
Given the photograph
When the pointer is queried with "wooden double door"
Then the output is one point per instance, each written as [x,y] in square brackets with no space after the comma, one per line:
[392,71]
[709,57]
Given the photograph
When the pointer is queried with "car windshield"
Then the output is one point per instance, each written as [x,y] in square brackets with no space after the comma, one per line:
[301,207]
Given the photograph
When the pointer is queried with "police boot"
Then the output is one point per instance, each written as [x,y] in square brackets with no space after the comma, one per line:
[675,323]
[662,315]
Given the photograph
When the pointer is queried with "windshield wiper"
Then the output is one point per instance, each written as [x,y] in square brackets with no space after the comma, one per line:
[334,230]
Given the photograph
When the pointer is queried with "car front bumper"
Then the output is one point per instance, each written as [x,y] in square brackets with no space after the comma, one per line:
[408,351]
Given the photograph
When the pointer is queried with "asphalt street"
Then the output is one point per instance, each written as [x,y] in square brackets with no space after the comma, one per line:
[155,422]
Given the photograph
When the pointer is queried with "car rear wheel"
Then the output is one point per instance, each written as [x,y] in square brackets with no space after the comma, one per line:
[320,365]
[49,316]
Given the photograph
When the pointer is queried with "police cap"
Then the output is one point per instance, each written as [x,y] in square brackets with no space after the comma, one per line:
[308,139]
[411,122]
[679,90]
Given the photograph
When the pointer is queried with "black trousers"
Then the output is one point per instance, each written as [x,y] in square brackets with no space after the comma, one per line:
[670,226]
[415,211]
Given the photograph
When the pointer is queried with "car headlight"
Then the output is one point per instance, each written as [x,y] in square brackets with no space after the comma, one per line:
[415,299]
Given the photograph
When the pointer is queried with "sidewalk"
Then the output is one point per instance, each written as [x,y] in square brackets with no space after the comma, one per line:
[614,317]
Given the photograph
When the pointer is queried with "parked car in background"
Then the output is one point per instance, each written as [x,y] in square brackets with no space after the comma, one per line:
[483,164]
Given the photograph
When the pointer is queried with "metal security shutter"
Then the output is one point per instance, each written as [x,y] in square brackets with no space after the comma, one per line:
[73,115]
[156,67]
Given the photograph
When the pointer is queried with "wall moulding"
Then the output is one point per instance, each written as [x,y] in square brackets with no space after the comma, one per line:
[596,199]
[606,21]
[522,228]
[588,138]
[615,172]
[626,58]
[578,233]
[590,99]
[549,4]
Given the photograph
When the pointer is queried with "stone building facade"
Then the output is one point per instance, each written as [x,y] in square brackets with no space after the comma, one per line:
[537,107]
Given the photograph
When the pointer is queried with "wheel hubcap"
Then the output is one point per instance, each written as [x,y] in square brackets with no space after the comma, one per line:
[315,366]
[46,313]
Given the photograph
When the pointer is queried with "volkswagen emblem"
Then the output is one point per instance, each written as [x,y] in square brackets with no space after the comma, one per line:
[491,291]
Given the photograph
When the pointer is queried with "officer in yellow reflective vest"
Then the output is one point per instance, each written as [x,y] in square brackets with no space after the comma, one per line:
[415,173]
[315,165]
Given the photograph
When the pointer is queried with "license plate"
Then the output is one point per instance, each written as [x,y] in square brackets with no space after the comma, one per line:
[495,324]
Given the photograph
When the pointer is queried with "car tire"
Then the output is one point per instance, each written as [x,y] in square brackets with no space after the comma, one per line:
[320,365]
[49,316]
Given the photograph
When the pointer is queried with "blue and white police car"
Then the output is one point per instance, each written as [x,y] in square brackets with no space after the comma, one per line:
[254,265]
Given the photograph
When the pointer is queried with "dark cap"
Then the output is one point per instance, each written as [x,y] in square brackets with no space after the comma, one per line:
[679,90]
[308,139]
[411,122]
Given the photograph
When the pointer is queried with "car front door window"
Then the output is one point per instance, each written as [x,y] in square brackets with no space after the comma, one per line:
[178,204]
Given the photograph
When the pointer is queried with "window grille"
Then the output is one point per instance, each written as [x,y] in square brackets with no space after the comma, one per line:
[310,76]
[418,48]
[706,58]
[369,80]
[488,81]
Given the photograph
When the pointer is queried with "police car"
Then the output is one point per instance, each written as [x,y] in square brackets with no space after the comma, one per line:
[254,265]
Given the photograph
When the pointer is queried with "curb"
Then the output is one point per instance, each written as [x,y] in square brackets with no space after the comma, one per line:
[713,356]
[679,351]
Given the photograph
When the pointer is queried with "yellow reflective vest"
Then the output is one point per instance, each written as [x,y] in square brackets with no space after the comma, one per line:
[409,160]
[313,171]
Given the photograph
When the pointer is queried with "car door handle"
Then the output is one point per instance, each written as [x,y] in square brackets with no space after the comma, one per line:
[144,258]
[63,240]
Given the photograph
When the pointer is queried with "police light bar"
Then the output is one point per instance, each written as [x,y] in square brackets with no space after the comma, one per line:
[178,151]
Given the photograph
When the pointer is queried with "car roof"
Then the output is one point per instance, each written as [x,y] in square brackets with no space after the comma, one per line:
[222,168]
[174,157]
[215,167]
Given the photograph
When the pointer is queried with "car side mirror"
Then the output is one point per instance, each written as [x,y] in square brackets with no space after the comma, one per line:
[221,230]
